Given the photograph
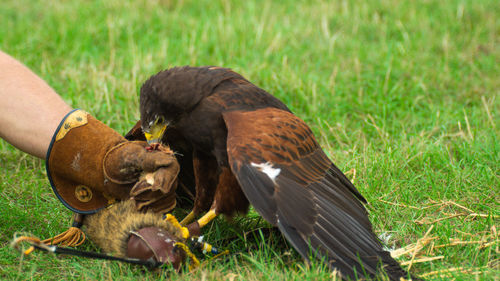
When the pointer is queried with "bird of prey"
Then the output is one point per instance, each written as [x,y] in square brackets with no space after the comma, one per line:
[241,145]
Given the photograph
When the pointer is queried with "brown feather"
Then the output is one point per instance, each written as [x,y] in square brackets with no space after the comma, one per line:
[205,173]
[229,198]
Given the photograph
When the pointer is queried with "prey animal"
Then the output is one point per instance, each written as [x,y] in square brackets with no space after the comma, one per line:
[242,145]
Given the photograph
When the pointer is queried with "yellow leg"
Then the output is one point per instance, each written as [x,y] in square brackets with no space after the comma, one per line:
[210,215]
[189,218]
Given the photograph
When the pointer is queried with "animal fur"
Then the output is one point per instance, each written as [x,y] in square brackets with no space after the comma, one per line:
[110,228]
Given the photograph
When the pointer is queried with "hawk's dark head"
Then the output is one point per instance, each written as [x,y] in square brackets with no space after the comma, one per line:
[166,96]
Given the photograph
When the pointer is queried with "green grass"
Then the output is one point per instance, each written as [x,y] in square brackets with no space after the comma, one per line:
[404,93]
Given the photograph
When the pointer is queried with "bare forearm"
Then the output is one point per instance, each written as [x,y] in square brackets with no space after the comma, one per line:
[30,110]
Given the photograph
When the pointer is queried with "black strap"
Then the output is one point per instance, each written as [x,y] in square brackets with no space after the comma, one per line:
[73,252]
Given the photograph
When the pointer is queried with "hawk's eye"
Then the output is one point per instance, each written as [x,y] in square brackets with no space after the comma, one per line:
[160,120]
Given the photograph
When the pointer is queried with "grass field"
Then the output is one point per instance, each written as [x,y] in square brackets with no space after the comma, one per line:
[402,94]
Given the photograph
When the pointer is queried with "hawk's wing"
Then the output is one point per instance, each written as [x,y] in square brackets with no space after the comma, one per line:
[290,182]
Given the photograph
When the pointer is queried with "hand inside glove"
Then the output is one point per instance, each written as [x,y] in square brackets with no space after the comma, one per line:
[156,190]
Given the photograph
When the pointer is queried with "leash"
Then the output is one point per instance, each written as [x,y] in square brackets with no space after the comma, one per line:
[197,243]
[38,244]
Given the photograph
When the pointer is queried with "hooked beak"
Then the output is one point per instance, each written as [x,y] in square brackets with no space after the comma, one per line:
[155,133]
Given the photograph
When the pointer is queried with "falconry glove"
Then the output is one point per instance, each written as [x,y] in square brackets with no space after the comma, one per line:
[90,165]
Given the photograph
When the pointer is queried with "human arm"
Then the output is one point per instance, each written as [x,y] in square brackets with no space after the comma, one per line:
[30,110]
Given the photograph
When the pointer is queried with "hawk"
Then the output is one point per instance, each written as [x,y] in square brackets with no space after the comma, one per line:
[242,145]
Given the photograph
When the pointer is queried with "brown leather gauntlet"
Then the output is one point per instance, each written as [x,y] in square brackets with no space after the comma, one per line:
[89,165]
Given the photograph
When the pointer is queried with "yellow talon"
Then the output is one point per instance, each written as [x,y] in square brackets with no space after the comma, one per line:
[194,261]
[173,220]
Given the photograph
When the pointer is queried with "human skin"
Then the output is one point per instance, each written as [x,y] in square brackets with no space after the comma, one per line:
[30,110]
